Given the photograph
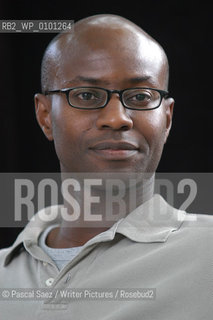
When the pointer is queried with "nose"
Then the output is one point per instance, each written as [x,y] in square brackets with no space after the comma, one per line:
[114,116]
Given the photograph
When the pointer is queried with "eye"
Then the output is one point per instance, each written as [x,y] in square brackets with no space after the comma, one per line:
[140,97]
[86,96]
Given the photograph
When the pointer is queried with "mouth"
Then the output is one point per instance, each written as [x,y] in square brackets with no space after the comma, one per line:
[112,150]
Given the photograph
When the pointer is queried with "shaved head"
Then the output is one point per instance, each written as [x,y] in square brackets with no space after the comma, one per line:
[97,33]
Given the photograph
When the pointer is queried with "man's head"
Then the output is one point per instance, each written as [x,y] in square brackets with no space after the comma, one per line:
[110,52]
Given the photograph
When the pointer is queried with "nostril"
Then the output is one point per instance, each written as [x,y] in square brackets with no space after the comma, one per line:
[122,128]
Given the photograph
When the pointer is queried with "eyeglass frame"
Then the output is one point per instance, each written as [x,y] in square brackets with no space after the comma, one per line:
[163,94]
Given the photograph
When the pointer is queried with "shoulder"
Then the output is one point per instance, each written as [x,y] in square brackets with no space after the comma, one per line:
[8,254]
[197,219]
[199,227]
[3,253]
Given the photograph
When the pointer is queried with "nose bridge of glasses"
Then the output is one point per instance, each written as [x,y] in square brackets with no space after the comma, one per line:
[119,95]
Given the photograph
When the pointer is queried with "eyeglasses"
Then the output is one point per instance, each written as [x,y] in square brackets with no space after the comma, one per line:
[96,98]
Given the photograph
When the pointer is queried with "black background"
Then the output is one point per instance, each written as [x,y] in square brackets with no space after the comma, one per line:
[181,28]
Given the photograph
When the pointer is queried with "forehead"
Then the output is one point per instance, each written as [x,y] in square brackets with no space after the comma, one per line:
[114,57]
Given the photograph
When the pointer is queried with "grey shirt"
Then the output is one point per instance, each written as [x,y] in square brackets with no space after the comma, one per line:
[59,256]
[156,249]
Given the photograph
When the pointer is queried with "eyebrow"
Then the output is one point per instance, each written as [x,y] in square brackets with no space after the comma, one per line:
[96,81]
[139,79]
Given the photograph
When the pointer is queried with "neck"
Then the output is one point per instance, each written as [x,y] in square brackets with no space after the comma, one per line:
[93,206]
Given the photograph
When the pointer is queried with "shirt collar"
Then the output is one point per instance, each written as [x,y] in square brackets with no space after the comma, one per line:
[153,221]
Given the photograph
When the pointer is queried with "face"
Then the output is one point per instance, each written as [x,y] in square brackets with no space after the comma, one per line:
[112,139]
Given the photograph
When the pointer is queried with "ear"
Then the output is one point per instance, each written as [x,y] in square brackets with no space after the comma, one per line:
[169,105]
[43,114]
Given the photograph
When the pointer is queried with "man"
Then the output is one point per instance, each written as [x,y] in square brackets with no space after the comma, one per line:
[106,107]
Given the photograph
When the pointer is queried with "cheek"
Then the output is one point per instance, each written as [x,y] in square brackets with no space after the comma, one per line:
[69,126]
[152,126]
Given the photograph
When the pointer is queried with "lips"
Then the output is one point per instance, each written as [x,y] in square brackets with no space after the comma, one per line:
[111,150]
[121,145]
